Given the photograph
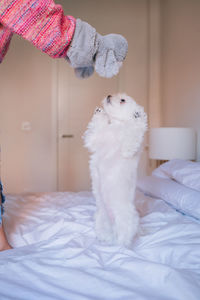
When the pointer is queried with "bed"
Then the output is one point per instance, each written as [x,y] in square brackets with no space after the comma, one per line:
[57,256]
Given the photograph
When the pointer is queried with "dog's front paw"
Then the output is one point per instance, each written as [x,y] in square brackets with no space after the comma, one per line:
[141,122]
[98,110]
[100,118]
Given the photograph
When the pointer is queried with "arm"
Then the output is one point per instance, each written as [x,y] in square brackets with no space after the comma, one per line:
[41,22]
[5,38]
[44,24]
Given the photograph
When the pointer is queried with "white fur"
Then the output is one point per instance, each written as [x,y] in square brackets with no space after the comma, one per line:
[114,138]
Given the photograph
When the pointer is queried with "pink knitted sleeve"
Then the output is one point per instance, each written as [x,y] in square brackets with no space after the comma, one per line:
[41,22]
[5,38]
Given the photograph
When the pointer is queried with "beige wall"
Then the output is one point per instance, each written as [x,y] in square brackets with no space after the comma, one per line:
[181,64]
[28,158]
[28,92]
[168,83]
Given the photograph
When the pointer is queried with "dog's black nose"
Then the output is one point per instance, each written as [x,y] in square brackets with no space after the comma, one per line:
[109,98]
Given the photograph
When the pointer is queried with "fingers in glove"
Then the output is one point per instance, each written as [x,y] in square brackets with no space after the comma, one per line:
[106,64]
[84,72]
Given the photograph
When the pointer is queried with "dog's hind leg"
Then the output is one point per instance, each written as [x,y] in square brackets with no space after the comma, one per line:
[125,216]
[126,225]
[103,226]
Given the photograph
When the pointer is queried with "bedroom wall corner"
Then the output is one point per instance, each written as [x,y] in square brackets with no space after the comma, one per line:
[154,70]
[181,65]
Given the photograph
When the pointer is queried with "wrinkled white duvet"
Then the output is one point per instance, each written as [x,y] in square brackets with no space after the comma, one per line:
[57,256]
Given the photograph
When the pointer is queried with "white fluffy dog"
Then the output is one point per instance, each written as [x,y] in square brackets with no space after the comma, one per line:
[114,137]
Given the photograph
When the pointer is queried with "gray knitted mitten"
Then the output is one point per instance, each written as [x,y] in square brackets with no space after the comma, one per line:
[90,50]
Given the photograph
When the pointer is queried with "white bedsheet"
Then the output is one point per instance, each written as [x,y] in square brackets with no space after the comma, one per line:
[58,257]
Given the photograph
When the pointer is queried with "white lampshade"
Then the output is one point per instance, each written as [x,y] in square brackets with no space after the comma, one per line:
[167,143]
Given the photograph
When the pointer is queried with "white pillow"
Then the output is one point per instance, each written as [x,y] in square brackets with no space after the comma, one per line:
[184,172]
[184,199]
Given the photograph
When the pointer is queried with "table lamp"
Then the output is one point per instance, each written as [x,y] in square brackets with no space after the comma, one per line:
[166,143]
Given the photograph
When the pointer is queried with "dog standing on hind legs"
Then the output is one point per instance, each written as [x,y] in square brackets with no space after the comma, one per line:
[114,138]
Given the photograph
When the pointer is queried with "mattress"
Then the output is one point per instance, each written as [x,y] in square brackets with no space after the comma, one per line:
[56,254]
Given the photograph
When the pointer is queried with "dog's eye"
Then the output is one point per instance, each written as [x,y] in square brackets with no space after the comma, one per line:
[136,114]
[122,100]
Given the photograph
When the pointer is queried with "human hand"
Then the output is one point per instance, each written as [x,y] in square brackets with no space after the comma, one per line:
[91,51]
